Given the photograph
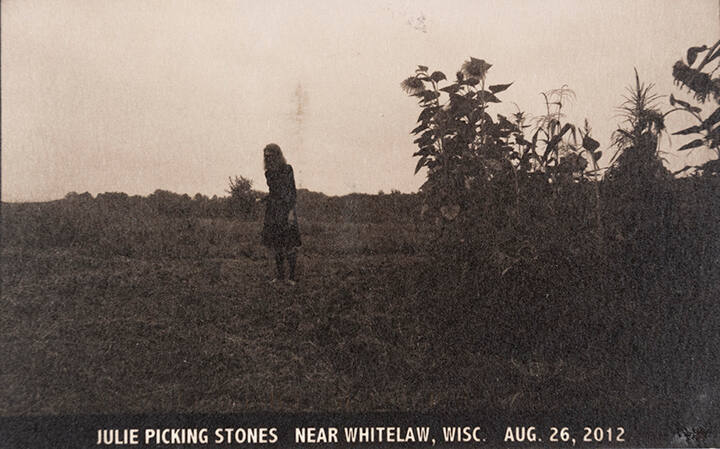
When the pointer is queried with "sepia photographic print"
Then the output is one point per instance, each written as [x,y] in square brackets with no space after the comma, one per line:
[233,223]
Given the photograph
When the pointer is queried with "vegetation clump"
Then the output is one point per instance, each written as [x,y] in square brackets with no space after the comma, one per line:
[528,231]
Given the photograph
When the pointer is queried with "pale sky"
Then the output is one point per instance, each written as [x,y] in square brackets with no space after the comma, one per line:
[133,96]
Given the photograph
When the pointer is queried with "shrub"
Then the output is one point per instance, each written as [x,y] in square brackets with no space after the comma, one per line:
[242,198]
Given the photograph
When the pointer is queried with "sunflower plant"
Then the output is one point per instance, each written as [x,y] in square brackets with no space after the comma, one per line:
[471,157]
[698,76]
[462,147]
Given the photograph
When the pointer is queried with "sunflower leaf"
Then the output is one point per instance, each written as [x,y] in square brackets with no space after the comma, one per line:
[694,144]
[693,52]
[499,87]
[438,76]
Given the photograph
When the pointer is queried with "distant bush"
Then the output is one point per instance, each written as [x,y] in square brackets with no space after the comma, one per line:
[78,197]
[169,203]
[242,201]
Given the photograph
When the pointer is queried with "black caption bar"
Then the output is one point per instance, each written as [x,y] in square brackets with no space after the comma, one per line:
[372,430]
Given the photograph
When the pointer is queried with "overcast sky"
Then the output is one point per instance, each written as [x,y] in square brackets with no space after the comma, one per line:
[134,96]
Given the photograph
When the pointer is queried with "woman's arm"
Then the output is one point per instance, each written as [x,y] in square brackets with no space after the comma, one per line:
[290,192]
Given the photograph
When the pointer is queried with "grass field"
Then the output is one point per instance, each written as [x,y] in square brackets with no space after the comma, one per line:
[168,314]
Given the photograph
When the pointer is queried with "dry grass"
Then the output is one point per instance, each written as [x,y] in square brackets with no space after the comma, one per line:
[176,315]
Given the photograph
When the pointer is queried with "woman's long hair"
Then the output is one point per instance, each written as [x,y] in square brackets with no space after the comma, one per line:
[273,157]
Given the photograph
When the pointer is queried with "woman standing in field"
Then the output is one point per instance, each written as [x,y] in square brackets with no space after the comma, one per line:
[280,231]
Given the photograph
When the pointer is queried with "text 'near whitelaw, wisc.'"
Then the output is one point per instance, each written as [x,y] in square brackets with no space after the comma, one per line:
[379,434]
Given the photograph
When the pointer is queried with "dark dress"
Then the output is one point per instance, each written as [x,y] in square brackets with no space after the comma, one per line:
[279,232]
